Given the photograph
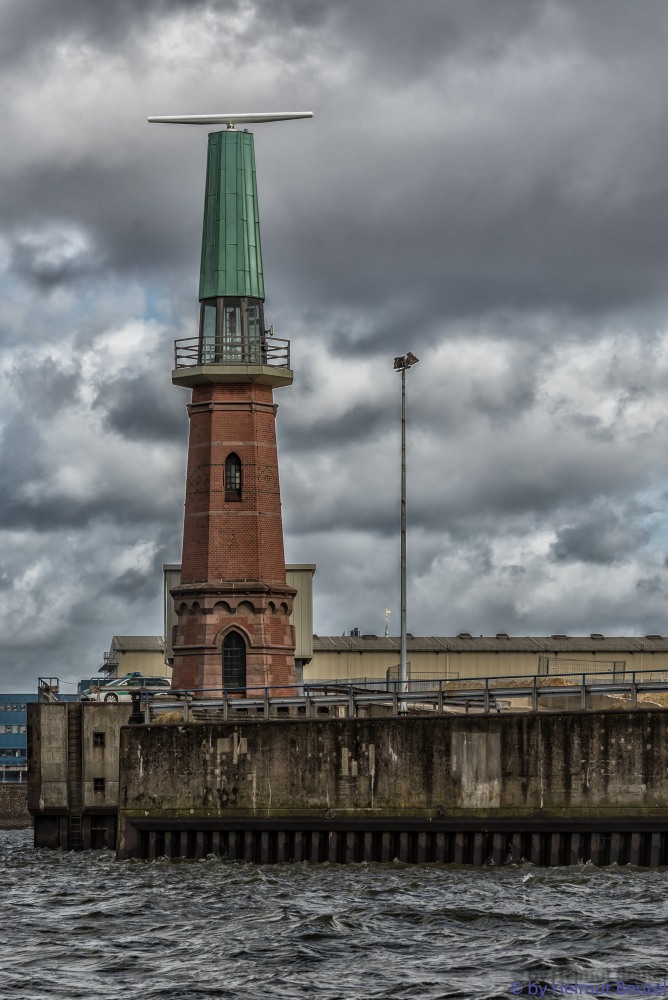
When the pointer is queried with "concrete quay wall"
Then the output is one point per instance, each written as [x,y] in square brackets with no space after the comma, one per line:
[573,772]
[73,752]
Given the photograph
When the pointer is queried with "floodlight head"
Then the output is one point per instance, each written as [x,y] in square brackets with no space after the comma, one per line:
[405,361]
[230,119]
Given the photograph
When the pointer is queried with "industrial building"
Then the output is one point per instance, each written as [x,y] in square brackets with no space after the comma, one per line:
[353,657]
[13,736]
[127,654]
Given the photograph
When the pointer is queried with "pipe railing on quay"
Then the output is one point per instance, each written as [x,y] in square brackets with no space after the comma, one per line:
[438,694]
[343,699]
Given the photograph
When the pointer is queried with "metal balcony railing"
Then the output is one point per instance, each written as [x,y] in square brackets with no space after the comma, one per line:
[190,352]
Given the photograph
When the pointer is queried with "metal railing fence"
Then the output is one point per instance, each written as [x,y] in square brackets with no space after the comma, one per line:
[192,351]
[341,699]
[530,692]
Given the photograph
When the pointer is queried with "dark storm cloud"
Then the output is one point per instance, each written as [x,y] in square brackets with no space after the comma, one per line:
[487,219]
[560,203]
[138,583]
[47,513]
[469,253]
[397,43]
[63,626]
[494,395]
[360,423]
[653,586]
[51,259]
[499,484]
[601,536]
[31,496]
[83,201]
[20,464]
[50,388]
[140,408]
[25,28]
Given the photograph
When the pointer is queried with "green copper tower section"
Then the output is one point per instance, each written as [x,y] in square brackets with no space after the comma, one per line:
[231,249]
[232,343]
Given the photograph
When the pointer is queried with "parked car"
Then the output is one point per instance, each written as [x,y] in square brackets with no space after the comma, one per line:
[121,688]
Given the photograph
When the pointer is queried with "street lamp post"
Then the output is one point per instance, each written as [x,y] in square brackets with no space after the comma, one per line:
[402,364]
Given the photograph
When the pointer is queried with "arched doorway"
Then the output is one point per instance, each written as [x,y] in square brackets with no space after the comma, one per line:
[234,661]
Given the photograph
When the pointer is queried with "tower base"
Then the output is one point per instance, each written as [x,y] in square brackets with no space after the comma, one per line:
[211,615]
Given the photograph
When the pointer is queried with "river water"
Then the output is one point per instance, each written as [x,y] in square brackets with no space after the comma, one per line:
[88,926]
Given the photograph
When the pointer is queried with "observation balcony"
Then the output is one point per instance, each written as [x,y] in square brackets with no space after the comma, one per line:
[200,360]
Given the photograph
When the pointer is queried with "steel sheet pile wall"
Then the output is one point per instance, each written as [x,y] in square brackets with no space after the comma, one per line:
[553,788]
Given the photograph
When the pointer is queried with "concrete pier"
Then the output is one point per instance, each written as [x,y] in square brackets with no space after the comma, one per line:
[552,789]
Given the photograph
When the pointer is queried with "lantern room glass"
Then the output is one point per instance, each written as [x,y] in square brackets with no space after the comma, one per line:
[232,331]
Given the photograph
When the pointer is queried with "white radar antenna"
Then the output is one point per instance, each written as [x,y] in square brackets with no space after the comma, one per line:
[230,120]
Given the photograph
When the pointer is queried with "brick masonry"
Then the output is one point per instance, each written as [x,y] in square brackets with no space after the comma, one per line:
[233,562]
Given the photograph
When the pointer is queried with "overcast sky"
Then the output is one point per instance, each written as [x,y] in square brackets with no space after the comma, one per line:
[484,184]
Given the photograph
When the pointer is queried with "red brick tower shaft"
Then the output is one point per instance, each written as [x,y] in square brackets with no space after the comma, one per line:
[233,566]
[232,532]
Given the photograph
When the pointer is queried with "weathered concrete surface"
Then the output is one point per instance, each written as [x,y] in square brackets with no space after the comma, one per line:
[47,757]
[14,807]
[73,751]
[566,767]
[49,746]
[101,761]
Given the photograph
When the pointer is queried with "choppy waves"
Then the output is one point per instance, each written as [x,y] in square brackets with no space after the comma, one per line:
[88,926]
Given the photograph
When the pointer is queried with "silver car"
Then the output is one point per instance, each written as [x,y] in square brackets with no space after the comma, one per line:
[122,688]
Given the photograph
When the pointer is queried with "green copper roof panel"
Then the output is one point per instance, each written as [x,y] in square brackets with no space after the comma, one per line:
[231,249]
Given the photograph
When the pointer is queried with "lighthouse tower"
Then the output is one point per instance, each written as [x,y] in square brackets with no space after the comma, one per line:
[233,604]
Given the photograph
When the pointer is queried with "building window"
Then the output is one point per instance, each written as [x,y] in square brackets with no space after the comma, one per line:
[98,739]
[232,477]
[98,785]
[234,661]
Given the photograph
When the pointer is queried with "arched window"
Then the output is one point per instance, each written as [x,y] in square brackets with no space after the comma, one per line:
[234,661]
[233,477]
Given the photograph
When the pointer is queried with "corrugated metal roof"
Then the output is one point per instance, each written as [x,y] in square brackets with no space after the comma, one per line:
[492,644]
[132,643]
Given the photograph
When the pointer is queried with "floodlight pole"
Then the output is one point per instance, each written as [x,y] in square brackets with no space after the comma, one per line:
[403,659]
[402,364]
